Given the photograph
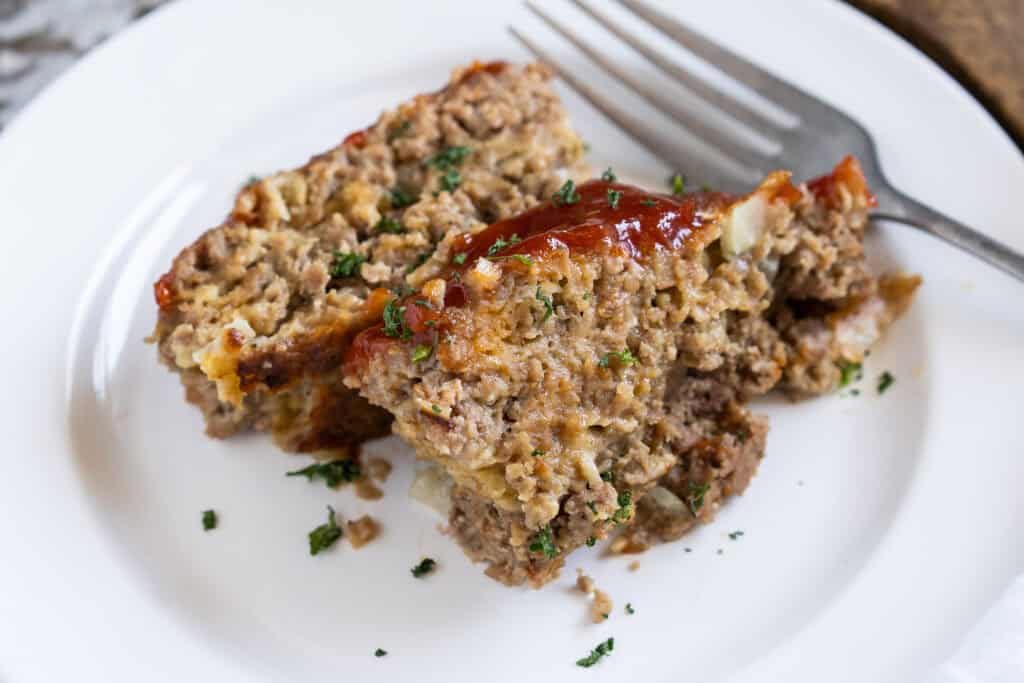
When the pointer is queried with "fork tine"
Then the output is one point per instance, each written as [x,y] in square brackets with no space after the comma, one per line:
[685,159]
[785,95]
[743,153]
[713,96]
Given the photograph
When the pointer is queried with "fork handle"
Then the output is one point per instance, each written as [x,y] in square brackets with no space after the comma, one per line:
[901,208]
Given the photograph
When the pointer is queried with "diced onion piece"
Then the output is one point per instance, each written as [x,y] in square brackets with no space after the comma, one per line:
[743,225]
[433,487]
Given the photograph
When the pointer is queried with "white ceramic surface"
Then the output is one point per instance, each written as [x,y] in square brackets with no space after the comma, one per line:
[878,529]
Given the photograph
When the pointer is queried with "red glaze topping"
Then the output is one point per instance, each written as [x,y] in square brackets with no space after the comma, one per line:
[847,173]
[640,223]
[163,291]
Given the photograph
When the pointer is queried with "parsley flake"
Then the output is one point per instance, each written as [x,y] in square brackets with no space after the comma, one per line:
[421,352]
[625,357]
[537,452]
[543,543]
[625,507]
[425,566]
[401,199]
[678,185]
[735,535]
[379,652]
[696,498]
[849,373]
[333,473]
[209,520]
[501,243]
[566,195]
[649,202]
[389,225]
[436,409]
[459,259]
[591,541]
[613,198]
[609,175]
[885,380]
[592,506]
[325,535]
[346,265]
[449,157]
[602,650]
[549,306]
[451,180]
[394,321]
[629,608]
[606,475]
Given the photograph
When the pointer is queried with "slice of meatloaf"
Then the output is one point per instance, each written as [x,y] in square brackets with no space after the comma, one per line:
[564,361]
[257,314]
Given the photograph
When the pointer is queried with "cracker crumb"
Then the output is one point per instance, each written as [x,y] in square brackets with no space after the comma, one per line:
[601,607]
[366,489]
[584,583]
[379,469]
[634,565]
[361,531]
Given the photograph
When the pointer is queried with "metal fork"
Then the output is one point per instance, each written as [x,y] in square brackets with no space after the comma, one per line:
[814,132]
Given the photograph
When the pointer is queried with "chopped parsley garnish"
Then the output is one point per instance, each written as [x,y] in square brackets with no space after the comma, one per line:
[401,199]
[420,260]
[448,157]
[591,541]
[425,566]
[625,357]
[849,372]
[401,129]
[592,506]
[501,243]
[451,180]
[394,321]
[742,435]
[537,452]
[209,520]
[696,498]
[389,225]
[423,303]
[549,306]
[566,195]
[325,535]
[346,265]
[735,535]
[421,352]
[606,475]
[252,179]
[436,409]
[522,258]
[602,650]
[649,202]
[885,380]
[459,259]
[625,507]
[379,652]
[543,543]
[677,184]
[613,198]
[609,175]
[333,473]
[629,608]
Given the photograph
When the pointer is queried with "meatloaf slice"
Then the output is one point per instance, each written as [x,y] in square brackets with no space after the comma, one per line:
[256,315]
[565,361]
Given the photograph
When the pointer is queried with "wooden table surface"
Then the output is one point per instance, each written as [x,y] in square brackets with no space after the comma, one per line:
[980,42]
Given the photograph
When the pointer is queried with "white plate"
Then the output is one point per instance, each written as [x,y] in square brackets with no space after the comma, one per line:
[877,531]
